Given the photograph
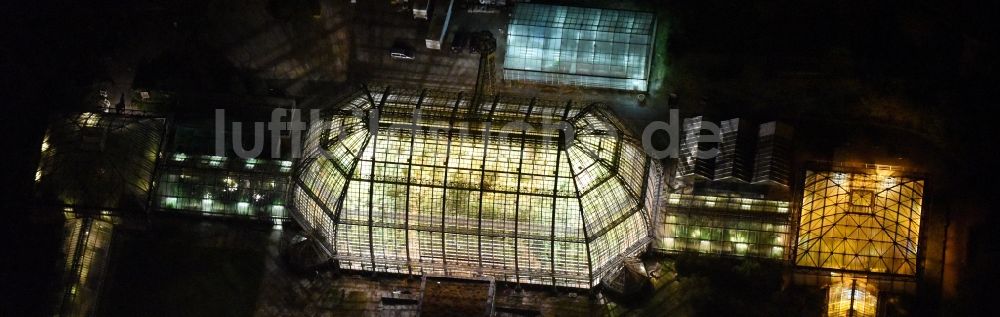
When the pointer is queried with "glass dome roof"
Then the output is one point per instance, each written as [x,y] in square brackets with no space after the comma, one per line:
[420,182]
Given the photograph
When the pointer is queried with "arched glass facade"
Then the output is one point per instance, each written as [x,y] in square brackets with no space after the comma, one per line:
[461,193]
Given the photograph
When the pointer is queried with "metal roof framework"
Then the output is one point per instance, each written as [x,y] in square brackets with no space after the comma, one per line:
[860,222]
[589,47]
[472,194]
[99,161]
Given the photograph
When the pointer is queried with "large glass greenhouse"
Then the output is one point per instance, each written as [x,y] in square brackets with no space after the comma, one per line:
[861,222]
[458,192]
[99,161]
[211,185]
[731,226]
[590,47]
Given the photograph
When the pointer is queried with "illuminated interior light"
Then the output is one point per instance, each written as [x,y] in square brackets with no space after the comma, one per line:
[705,245]
[180,157]
[277,211]
[89,119]
[777,251]
[231,184]
[170,202]
[742,247]
[888,182]
[738,238]
[851,296]
[216,161]
[243,207]
[669,242]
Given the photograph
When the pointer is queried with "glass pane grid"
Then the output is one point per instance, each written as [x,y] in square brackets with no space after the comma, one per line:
[731,226]
[455,204]
[562,45]
[860,222]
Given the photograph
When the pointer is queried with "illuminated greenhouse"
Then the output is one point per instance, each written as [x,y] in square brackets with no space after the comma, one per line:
[460,193]
[99,161]
[731,226]
[851,296]
[86,245]
[861,222]
[560,45]
[211,185]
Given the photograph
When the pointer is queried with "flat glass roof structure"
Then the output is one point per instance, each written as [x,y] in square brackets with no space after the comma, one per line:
[589,47]
[211,185]
[731,226]
[451,196]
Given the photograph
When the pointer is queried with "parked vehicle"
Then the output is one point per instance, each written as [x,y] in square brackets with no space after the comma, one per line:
[399,51]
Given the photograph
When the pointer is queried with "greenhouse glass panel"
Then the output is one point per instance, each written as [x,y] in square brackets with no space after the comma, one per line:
[590,47]
[731,226]
[860,221]
[86,247]
[851,296]
[221,186]
[99,161]
[520,205]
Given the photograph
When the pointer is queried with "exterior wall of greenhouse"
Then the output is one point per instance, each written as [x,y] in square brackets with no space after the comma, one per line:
[575,80]
[517,208]
[883,282]
[86,248]
[588,47]
[211,185]
[728,226]
[858,234]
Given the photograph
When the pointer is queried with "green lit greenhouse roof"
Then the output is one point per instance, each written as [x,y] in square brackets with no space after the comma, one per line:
[579,46]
